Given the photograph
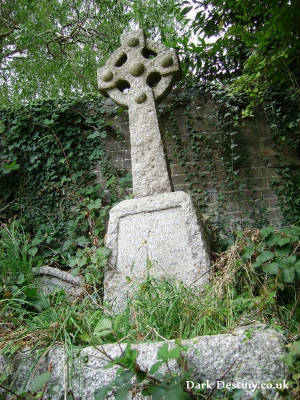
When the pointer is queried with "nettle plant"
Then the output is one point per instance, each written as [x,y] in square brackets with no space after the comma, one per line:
[276,253]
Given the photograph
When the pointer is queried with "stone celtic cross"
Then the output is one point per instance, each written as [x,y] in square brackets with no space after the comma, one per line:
[136,75]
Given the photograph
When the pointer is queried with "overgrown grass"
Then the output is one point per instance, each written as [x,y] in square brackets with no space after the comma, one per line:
[15,259]
[247,286]
[161,309]
[158,309]
[18,296]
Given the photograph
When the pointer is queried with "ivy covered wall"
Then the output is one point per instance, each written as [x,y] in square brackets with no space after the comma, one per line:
[64,163]
[236,172]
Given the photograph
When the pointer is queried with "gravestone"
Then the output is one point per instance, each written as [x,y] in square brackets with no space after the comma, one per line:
[158,232]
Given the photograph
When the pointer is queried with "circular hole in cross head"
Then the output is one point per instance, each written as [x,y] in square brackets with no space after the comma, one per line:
[121,60]
[123,86]
[147,53]
[153,78]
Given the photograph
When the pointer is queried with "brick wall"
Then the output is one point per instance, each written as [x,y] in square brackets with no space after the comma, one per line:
[250,202]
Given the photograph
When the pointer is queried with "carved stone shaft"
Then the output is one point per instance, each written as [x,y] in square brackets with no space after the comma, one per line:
[136,75]
[149,170]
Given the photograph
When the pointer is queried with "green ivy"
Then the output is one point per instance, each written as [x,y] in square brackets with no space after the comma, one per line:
[282,111]
[223,152]
[49,150]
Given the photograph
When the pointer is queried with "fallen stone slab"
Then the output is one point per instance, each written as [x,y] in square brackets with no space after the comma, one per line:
[237,358]
[51,280]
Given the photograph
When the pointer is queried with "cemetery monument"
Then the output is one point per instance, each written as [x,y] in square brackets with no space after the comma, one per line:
[157,232]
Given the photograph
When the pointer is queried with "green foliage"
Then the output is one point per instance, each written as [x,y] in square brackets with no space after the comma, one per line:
[281,110]
[56,144]
[90,263]
[17,292]
[40,381]
[164,309]
[276,254]
[245,287]
[258,43]
[53,48]
[292,361]
[215,159]
[158,385]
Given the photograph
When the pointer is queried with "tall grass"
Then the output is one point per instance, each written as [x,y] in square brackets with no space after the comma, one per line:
[18,294]
[158,309]
[165,309]
[15,259]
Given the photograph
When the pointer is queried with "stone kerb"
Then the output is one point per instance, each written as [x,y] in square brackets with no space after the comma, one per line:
[229,358]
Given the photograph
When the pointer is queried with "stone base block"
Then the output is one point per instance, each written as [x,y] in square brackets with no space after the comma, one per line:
[158,236]
[233,359]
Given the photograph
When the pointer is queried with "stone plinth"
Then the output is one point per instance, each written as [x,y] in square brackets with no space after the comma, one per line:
[156,235]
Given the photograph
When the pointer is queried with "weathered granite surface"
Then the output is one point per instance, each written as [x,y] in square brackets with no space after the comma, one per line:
[255,360]
[136,75]
[158,228]
[161,231]
[51,280]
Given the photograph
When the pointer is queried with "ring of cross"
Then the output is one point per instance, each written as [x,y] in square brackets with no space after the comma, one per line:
[139,69]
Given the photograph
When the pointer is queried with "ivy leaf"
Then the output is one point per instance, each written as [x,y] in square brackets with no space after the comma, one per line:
[94,135]
[47,122]
[72,262]
[7,168]
[82,261]
[75,271]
